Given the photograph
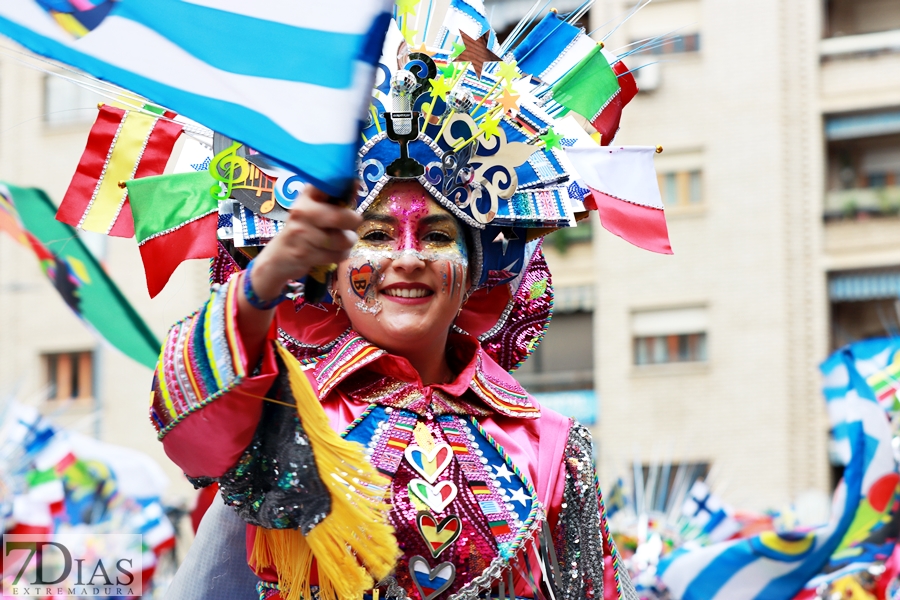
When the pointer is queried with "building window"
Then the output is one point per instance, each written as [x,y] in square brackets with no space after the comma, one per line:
[672,45]
[70,375]
[681,188]
[855,17]
[863,173]
[66,103]
[661,349]
[669,336]
[564,360]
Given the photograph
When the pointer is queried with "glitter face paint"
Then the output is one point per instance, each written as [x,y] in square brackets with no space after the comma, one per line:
[407,276]
[410,225]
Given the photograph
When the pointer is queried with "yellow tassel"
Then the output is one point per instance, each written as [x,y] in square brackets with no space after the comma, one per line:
[354,543]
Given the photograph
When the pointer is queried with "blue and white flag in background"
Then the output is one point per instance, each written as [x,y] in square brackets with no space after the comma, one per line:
[289,78]
[707,512]
[777,565]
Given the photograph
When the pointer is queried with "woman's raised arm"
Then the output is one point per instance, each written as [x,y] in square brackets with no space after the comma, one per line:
[316,233]
[215,370]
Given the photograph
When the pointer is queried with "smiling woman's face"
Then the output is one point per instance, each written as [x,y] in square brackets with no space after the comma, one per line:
[406,277]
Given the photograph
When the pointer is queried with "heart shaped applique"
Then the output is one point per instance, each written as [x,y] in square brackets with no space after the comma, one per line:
[431,582]
[438,535]
[436,496]
[429,465]
[361,278]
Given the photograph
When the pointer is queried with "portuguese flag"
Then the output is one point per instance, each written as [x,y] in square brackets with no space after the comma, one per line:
[28,215]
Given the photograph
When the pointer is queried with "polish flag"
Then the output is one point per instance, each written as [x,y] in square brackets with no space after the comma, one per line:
[624,188]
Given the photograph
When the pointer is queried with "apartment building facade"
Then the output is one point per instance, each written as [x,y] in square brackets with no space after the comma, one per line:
[781,127]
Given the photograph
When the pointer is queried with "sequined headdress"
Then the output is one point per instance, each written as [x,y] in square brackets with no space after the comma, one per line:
[512,139]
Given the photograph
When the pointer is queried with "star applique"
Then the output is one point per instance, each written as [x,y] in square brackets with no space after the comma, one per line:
[423,49]
[406,7]
[476,52]
[505,236]
[508,71]
[490,127]
[458,48]
[448,70]
[503,472]
[508,100]
[439,87]
[551,139]
[519,496]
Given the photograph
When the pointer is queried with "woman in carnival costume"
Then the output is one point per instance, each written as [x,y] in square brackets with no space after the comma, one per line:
[430,473]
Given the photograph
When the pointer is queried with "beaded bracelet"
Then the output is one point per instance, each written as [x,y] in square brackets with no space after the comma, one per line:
[253,299]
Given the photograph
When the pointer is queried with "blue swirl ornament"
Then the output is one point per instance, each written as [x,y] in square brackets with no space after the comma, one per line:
[285,195]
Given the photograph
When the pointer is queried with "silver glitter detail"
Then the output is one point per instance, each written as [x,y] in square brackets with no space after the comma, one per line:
[501,322]
[373,141]
[579,527]
[498,566]
[322,349]
[594,118]
[372,310]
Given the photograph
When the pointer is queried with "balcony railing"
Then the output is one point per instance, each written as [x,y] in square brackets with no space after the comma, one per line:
[862,44]
[851,203]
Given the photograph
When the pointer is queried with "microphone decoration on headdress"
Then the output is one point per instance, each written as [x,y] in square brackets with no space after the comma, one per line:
[402,124]
[459,101]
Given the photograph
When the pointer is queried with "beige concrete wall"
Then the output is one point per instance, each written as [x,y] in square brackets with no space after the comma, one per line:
[745,109]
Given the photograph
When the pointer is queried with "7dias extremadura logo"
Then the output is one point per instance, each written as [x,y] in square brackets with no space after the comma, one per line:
[72,564]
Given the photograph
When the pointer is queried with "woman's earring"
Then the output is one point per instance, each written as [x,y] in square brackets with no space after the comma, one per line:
[337,300]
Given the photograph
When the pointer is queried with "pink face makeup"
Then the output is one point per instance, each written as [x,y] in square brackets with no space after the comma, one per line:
[410,222]
[406,277]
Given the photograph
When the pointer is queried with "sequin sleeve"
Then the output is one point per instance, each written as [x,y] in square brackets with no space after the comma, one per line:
[204,404]
[582,535]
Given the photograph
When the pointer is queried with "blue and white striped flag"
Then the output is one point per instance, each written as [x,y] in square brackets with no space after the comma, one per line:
[289,78]
[777,565]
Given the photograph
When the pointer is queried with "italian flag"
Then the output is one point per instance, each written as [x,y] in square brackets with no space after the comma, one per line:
[30,517]
[597,88]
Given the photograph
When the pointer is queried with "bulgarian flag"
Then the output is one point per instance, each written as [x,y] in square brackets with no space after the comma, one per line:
[175,219]
[122,145]
[597,91]
[28,214]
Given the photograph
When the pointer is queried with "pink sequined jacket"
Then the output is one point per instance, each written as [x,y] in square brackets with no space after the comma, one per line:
[510,496]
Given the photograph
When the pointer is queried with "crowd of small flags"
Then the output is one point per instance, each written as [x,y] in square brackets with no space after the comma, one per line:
[56,481]
[682,540]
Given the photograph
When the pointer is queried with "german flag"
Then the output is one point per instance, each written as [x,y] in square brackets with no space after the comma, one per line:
[479,488]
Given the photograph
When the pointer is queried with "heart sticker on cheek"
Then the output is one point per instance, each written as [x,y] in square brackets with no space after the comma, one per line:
[361,278]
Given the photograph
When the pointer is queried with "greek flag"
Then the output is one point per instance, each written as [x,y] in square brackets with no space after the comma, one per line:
[289,78]
[777,565]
